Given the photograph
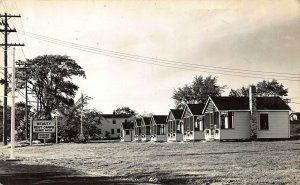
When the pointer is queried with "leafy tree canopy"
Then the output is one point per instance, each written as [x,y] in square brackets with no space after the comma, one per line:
[263,88]
[125,111]
[49,77]
[198,91]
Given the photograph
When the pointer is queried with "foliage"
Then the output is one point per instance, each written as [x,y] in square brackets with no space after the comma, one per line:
[263,88]
[50,79]
[71,121]
[198,91]
[125,111]
[20,120]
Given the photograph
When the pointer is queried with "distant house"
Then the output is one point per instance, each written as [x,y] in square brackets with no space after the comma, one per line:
[193,122]
[295,124]
[111,125]
[158,128]
[127,131]
[146,136]
[137,122]
[229,118]
[175,125]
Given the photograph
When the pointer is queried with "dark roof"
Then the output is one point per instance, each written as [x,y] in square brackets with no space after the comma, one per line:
[127,125]
[271,103]
[115,116]
[138,122]
[160,119]
[242,103]
[147,120]
[196,109]
[177,113]
[231,103]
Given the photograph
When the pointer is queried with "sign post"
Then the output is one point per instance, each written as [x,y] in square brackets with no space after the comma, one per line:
[56,130]
[30,137]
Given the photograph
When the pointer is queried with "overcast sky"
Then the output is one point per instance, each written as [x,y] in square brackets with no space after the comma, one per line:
[247,35]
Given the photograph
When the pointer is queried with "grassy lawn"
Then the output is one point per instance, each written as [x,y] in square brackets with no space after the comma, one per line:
[174,163]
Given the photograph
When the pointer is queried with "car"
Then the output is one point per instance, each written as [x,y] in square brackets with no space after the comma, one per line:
[36,142]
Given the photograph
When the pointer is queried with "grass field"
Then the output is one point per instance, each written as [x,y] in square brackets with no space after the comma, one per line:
[172,163]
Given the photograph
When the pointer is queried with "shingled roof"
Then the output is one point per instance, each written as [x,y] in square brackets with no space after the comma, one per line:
[196,109]
[127,125]
[242,103]
[271,103]
[177,113]
[231,103]
[147,120]
[138,122]
[160,119]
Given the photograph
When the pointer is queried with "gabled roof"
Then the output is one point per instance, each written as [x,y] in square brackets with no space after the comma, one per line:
[146,121]
[138,122]
[160,119]
[196,109]
[231,103]
[127,125]
[177,113]
[271,103]
[242,103]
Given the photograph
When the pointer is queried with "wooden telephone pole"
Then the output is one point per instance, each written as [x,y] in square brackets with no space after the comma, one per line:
[6,31]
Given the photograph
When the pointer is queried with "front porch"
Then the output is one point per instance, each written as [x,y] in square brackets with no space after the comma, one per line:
[175,131]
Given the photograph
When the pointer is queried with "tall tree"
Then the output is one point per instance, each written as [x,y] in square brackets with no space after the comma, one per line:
[50,78]
[70,118]
[263,88]
[198,91]
[125,111]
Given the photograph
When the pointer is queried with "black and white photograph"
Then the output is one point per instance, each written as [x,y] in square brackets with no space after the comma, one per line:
[171,92]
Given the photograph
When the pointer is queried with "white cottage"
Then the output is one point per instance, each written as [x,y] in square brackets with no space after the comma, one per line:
[145,126]
[127,131]
[158,128]
[235,118]
[175,125]
[193,121]
[137,129]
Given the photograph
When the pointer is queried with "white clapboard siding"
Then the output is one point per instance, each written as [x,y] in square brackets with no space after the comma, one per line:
[241,127]
[278,125]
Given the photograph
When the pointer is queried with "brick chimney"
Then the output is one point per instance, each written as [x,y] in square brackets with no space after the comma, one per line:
[252,106]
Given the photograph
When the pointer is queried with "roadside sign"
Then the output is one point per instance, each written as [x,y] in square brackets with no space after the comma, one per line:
[44,136]
[42,126]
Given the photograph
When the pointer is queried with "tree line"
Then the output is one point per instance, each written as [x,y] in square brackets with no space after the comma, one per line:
[49,78]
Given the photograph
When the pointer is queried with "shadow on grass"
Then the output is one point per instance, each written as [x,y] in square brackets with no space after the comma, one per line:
[13,173]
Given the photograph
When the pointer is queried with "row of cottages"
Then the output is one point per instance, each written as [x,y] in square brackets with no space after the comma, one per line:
[220,118]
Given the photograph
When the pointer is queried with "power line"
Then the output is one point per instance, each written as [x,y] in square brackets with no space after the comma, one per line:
[156,59]
[164,64]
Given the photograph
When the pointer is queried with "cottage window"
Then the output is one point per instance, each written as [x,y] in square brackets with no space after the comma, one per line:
[147,130]
[264,121]
[112,131]
[178,126]
[227,120]
[118,130]
[222,121]
[230,119]
[127,132]
[114,121]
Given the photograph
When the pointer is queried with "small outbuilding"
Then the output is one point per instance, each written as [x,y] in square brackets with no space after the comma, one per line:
[193,122]
[158,128]
[127,129]
[145,126]
[137,126]
[175,125]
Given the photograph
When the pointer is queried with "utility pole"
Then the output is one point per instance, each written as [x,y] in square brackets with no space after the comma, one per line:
[6,31]
[23,66]
[81,121]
